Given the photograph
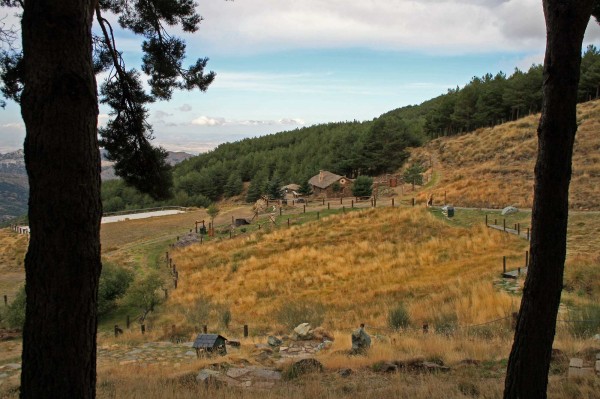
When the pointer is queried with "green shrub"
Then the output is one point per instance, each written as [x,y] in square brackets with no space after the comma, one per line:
[398,317]
[114,281]
[294,313]
[15,314]
[363,186]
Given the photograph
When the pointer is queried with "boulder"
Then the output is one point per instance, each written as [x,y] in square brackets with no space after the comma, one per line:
[385,367]
[361,341]
[326,344]
[345,373]
[509,210]
[420,365]
[210,378]
[303,331]
[274,341]
[304,366]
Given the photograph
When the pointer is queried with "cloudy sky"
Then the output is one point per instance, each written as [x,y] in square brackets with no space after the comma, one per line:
[283,64]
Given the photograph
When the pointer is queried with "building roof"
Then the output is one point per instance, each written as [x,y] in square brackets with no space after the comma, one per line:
[208,340]
[293,187]
[324,179]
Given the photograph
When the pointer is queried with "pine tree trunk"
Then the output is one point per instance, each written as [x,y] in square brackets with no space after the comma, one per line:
[529,362]
[59,107]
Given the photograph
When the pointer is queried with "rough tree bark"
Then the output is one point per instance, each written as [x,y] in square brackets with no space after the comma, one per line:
[529,362]
[59,107]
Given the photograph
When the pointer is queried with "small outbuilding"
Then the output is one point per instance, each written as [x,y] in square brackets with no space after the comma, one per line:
[330,185]
[210,343]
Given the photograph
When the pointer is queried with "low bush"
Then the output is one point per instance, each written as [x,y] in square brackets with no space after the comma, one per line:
[398,317]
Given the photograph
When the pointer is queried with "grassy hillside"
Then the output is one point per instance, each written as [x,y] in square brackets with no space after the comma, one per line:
[12,254]
[358,266]
[493,167]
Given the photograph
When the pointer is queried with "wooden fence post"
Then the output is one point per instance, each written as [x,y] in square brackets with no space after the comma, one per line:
[245,330]
[504,264]
[143,328]
[352,204]
[518,229]
[166,290]
[504,221]
[486,220]
[371,202]
[5,300]
[413,202]
[288,222]
[317,215]
[392,202]
[304,209]
[324,201]
[205,329]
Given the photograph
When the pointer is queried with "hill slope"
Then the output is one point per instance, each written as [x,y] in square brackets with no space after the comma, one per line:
[493,167]
[357,266]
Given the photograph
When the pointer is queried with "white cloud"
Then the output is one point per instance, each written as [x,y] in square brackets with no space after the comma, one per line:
[161,114]
[463,26]
[185,108]
[14,125]
[208,121]
[212,121]
[103,119]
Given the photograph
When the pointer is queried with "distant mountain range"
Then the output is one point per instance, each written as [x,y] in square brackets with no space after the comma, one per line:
[14,187]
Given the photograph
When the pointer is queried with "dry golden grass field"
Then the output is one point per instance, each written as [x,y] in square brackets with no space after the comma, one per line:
[493,167]
[359,266]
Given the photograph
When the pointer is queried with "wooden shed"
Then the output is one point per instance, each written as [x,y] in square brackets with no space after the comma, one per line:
[210,343]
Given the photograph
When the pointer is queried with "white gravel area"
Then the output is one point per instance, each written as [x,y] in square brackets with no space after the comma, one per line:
[144,215]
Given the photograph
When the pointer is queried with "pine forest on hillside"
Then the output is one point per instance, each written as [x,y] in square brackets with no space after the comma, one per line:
[352,148]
